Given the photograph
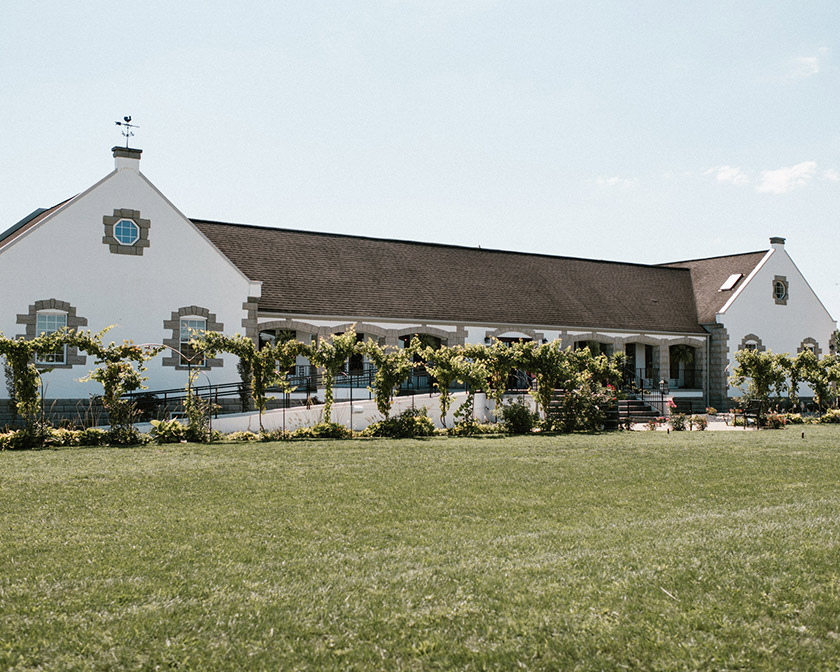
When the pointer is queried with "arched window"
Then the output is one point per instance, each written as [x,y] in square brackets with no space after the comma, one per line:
[811,344]
[751,342]
[191,326]
[182,325]
[595,347]
[49,322]
[48,316]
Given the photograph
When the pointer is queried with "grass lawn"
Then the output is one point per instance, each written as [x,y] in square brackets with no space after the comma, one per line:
[716,551]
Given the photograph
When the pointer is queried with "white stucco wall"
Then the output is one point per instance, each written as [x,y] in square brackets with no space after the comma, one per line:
[63,257]
[781,328]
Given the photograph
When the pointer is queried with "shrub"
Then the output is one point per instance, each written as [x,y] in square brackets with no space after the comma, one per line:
[582,409]
[832,415]
[197,411]
[472,428]
[409,424]
[711,410]
[518,418]
[651,425]
[273,435]
[92,437]
[774,421]
[121,435]
[61,438]
[11,441]
[794,419]
[55,438]
[323,430]
[168,431]
[698,423]
[242,437]
[678,422]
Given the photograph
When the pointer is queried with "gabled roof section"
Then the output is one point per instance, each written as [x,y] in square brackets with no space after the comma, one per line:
[709,275]
[342,275]
[27,223]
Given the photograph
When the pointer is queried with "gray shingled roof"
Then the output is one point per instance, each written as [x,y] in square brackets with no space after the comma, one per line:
[357,277]
[27,223]
[708,276]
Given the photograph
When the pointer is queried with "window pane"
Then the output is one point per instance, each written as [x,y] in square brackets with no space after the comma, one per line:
[46,324]
[189,328]
[126,232]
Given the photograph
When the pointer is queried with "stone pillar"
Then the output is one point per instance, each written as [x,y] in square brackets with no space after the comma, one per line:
[250,322]
[716,369]
[701,369]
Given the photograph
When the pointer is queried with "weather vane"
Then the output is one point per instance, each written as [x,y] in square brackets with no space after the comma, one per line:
[128,133]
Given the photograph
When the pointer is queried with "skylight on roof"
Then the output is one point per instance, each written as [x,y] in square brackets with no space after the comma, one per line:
[731,281]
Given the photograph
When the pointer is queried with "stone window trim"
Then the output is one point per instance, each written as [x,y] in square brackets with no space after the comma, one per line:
[752,338]
[114,245]
[73,358]
[780,280]
[173,327]
[812,342]
[250,323]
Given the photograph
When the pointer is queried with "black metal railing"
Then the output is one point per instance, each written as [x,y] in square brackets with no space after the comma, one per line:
[305,381]
[641,379]
[158,403]
[649,379]
[688,379]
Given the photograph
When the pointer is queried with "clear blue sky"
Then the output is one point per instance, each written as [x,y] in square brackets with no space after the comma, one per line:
[645,131]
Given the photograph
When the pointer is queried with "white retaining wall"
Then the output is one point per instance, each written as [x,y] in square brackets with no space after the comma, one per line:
[363,414]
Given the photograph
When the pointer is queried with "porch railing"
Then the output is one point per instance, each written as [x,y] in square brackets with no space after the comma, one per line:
[649,379]
[306,381]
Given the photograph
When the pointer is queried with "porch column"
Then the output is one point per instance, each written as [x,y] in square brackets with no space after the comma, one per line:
[664,363]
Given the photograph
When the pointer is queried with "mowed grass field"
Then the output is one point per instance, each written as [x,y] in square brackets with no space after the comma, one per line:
[709,551]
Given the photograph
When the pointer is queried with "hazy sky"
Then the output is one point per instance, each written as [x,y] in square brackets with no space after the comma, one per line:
[644,131]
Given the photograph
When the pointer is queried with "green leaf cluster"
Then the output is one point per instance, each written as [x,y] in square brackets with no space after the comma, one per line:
[393,367]
[759,374]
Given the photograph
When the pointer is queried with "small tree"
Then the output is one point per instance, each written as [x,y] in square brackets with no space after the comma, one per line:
[499,359]
[393,366]
[331,354]
[119,369]
[550,366]
[473,374]
[246,378]
[20,355]
[448,365]
[762,372]
[822,375]
[589,388]
[268,366]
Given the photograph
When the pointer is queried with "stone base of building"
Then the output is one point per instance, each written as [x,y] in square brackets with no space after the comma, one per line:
[89,412]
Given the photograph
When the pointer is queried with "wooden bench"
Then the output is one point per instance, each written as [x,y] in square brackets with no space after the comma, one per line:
[751,412]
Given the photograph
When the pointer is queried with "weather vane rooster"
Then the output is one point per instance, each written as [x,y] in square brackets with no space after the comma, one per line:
[127,125]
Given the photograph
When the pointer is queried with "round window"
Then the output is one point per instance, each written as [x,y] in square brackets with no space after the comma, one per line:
[126,231]
[779,289]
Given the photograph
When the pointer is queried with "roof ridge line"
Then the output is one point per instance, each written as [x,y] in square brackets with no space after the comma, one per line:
[722,256]
[427,244]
